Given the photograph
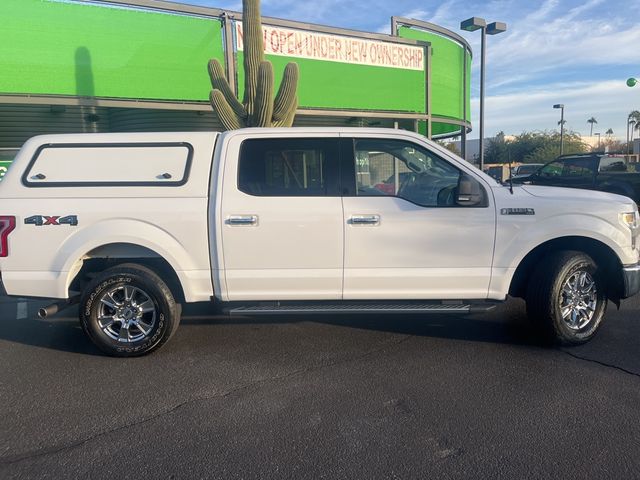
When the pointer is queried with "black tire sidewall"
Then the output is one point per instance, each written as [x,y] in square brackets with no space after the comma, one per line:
[164,303]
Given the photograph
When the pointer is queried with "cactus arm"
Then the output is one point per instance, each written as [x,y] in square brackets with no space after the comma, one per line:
[224,112]
[219,82]
[253,50]
[258,108]
[263,112]
[286,97]
[291,114]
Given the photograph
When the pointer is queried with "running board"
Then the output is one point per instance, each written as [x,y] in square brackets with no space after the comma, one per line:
[355,308]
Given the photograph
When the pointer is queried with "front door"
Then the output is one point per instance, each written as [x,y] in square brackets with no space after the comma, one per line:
[406,235]
[282,231]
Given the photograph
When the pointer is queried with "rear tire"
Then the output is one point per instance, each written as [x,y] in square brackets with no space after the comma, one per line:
[128,311]
[566,297]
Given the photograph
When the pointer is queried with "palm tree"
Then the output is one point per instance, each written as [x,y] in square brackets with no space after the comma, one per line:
[634,121]
[562,122]
[609,132]
[592,120]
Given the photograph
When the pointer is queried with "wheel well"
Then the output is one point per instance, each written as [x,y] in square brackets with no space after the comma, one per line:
[605,258]
[111,255]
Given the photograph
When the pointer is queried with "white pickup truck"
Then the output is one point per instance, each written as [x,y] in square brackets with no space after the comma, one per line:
[275,221]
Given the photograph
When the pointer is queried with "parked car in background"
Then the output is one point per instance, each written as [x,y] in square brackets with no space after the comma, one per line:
[498,171]
[522,171]
[593,171]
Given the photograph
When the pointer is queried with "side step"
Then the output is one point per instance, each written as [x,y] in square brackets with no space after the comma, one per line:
[277,308]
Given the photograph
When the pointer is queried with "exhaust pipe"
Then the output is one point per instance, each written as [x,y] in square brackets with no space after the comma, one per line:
[57,307]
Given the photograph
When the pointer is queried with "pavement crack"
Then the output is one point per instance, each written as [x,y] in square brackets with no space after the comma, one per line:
[53,450]
[598,362]
[9,460]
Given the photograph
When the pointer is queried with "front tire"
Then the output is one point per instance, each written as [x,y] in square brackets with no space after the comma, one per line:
[566,297]
[128,311]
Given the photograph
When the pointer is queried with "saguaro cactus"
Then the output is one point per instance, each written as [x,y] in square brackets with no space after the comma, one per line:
[258,108]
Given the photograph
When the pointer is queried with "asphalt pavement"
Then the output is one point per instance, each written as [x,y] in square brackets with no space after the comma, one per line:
[335,397]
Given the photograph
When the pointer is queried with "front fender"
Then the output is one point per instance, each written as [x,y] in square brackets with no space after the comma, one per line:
[515,239]
[518,236]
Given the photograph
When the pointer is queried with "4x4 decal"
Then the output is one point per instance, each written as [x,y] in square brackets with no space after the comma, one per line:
[43,220]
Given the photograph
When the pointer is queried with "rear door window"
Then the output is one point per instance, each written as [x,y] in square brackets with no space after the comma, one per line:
[291,167]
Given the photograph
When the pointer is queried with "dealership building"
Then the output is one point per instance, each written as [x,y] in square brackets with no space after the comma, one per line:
[114,66]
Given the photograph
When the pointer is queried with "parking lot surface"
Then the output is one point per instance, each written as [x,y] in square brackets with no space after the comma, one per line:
[321,397]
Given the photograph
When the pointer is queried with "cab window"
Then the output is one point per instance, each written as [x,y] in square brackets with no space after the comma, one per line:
[405,170]
[570,167]
[291,167]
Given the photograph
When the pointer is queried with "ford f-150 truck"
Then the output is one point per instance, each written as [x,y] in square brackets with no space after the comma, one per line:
[276,221]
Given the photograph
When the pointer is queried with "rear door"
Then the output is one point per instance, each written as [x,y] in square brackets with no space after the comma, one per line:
[405,235]
[282,232]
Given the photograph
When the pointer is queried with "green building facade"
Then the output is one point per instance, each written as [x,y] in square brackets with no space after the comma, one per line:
[114,66]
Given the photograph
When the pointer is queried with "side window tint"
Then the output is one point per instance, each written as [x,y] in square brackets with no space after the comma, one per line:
[570,167]
[288,167]
[405,170]
[578,167]
[553,169]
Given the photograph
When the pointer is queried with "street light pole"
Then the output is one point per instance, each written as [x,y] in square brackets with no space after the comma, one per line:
[598,140]
[561,107]
[628,122]
[471,25]
[483,56]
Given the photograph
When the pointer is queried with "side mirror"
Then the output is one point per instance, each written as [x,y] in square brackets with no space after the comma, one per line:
[470,193]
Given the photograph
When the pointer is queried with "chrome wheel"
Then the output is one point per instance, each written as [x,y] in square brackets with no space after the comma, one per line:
[126,314]
[578,299]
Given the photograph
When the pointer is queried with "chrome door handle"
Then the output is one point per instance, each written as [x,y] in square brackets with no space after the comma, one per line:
[365,220]
[242,220]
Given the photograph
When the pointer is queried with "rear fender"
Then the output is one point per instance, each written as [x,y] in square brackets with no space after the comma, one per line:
[134,232]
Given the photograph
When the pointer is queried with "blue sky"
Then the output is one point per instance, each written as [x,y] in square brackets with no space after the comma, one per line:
[578,53]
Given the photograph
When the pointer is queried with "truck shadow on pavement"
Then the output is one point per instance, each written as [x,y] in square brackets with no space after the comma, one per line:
[507,324]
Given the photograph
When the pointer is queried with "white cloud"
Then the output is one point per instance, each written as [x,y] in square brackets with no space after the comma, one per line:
[548,40]
[609,102]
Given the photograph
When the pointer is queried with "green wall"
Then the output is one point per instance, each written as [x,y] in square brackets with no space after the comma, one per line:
[447,77]
[62,47]
[58,48]
[4,166]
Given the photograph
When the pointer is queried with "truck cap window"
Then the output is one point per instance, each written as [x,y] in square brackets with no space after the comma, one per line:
[289,167]
[109,164]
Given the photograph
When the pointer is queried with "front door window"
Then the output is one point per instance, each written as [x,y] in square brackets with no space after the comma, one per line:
[401,169]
